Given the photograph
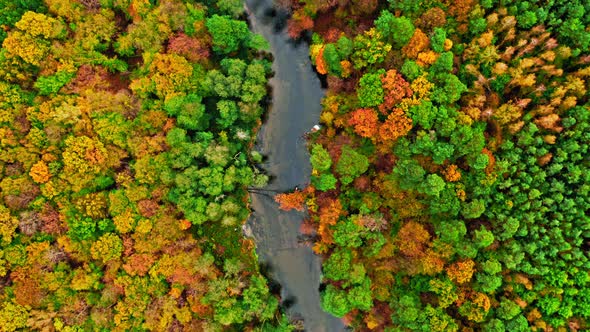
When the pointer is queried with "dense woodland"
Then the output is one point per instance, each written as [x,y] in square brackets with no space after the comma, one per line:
[450,187]
[125,136]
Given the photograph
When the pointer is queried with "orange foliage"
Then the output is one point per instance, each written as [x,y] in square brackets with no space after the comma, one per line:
[365,122]
[330,213]
[397,125]
[418,43]
[432,263]
[298,23]
[346,68]
[412,239]
[396,88]
[26,287]
[452,173]
[294,200]
[492,161]
[40,172]
[461,272]
[320,62]
[139,264]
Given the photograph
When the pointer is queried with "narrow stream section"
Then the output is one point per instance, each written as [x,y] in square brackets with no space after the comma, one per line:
[295,109]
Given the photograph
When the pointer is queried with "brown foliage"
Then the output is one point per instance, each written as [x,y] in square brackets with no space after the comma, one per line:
[26,287]
[432,18]
[412,239]
[460,9]
[189,47]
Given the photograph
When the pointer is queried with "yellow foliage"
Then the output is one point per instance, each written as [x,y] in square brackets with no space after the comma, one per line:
[83,155]
[144,226]
[426,58]
[448,44]
[421,87]
[461,272]
[28,48]
[8,225]
[124,222]
[36,24]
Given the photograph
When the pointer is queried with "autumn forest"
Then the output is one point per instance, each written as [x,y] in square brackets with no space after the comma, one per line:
[450,181]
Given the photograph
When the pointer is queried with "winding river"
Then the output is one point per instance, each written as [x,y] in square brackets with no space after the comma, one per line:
[295,110]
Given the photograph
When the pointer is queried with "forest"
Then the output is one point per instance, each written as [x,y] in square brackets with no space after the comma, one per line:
[126,129]
[450,183]
[449,189]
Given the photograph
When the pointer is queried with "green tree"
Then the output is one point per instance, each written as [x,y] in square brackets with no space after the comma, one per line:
[227,34]
[397,30]
[351,164]
[320,158]
[335,301]
[370,91]
[437,40]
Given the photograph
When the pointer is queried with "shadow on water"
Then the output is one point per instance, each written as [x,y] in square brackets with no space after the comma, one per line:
[291,266]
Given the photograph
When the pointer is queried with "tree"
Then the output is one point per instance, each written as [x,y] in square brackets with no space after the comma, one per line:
[320,158]
[13,317]
[370,92]
[294,200]
[437,40]
[369,49]
[338,265]
[397,30]
[360,297]
[227,34]
[335,301]
[324,182]
[508,309]
[395,126]
[108,247]
[365,122]
[351,164]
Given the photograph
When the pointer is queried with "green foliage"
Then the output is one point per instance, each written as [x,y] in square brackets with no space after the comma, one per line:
[335,301]
[347,234]
[320,158]
[411,70]
[351,164]
[227,34]
[360,296]
[48,85]
[398,30]
[437,40]
[324,182]
[370,91]
[337,266]
[332,57]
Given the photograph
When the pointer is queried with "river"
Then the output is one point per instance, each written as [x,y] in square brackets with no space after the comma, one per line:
[295,109]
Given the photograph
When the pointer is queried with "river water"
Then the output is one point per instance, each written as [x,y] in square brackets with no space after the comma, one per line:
[295,109]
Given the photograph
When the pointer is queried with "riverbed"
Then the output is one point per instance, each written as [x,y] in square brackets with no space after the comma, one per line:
[294,110]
